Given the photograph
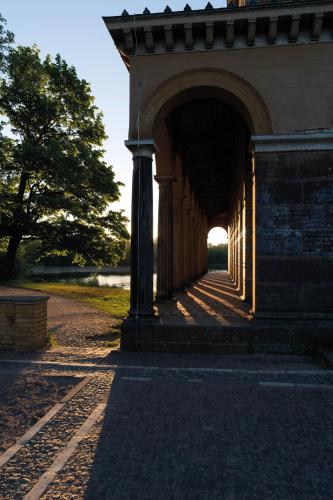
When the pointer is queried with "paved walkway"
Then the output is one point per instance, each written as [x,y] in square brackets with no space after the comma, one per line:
[211,301]
[156,426]
[185,427]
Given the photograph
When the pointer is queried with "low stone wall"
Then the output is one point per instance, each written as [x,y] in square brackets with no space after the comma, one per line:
[23,322]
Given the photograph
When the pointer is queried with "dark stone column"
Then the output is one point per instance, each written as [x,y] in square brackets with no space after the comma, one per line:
[142,234]
[138,329]
[165,238]
[142,229]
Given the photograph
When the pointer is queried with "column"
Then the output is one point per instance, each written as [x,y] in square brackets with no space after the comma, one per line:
[141,304]
[197,246]
[165,237]
[248,230]
[186,227]
[192,245]
[178,242]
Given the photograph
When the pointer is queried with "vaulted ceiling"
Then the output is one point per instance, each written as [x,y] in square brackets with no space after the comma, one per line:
[211,138]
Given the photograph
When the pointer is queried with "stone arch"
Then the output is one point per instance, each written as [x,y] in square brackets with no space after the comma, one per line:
[194,84]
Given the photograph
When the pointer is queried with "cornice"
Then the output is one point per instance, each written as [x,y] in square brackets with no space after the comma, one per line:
[222,29]
[302,141]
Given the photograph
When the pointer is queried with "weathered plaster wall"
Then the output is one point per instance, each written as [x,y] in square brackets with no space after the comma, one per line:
[295,82]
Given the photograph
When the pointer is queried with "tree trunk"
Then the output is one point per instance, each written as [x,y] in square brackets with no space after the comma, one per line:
[7,272]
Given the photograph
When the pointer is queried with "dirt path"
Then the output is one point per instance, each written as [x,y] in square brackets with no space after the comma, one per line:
[72,323]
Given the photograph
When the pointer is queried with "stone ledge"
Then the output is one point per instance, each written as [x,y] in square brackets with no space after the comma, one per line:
[300,141]
[23,299]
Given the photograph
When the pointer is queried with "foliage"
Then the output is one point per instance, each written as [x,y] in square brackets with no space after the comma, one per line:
[217,256]
[6,39]
[55,186]
[92,281]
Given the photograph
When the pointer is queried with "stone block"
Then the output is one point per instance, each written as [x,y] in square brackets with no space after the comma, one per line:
[288,242]
[23,322]
[318,191]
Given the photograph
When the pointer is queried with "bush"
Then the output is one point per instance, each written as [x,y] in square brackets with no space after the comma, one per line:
[92,281]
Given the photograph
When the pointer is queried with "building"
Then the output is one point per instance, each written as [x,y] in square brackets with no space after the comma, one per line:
[237,106]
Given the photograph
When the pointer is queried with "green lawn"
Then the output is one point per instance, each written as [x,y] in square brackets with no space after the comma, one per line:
[112,301]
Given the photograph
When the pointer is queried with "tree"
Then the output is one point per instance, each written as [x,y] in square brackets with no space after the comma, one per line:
[6,39]
[55,186]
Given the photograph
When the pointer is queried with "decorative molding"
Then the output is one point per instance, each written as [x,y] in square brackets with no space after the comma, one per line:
[165,179]
[279,25]
[143,147]
[302,141]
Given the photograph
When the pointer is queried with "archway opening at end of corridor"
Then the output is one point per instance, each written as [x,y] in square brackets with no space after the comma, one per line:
[204,172]
[217,249]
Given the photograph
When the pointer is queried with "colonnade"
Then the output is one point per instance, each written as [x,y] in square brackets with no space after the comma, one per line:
[182,233]
[240,239]
[182,238]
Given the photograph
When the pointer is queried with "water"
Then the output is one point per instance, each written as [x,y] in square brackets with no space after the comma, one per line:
[117,280]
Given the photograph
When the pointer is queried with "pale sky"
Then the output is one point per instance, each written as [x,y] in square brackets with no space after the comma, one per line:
[75,30]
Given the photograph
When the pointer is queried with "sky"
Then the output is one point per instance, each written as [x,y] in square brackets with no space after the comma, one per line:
[75,30]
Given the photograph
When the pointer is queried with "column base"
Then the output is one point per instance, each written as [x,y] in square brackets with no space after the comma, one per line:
[162,298]
[138,333]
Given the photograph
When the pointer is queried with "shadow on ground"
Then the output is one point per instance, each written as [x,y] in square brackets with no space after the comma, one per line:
[170,435]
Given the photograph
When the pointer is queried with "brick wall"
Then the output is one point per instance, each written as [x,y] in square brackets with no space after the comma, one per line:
[294,232]
[23,322]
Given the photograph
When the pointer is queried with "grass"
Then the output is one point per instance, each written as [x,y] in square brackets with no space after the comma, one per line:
[112,301]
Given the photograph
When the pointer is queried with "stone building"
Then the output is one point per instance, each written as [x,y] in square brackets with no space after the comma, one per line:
[236,104]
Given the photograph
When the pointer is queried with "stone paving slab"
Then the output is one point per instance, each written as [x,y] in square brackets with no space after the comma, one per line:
[213,300]
[179,433]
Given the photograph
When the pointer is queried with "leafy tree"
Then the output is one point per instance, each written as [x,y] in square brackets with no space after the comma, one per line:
[6,39]
[55,186]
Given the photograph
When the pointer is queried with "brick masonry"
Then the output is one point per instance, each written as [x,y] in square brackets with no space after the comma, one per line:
[23,322]
[294,233]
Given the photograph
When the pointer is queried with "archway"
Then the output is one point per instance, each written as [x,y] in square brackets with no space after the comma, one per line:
[198,83]
[204,172]
[217,248]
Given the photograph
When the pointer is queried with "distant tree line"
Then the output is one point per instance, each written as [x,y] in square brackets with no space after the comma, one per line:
[217,256]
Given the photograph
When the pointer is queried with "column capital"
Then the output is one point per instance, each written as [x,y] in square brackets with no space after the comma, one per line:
[164,179]
[142,147]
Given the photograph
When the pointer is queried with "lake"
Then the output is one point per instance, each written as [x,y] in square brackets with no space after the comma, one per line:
[118,280]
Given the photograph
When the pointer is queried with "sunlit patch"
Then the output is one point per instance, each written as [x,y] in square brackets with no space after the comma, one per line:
[217,236]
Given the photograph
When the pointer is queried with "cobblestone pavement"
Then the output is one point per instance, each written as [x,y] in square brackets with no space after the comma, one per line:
[187,427]
[25,398]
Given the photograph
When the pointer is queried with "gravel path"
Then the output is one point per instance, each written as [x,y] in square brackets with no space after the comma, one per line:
[25,396]
[72,323]
[23,470]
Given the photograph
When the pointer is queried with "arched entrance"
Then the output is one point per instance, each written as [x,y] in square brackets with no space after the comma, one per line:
[204,173]
[217,247]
